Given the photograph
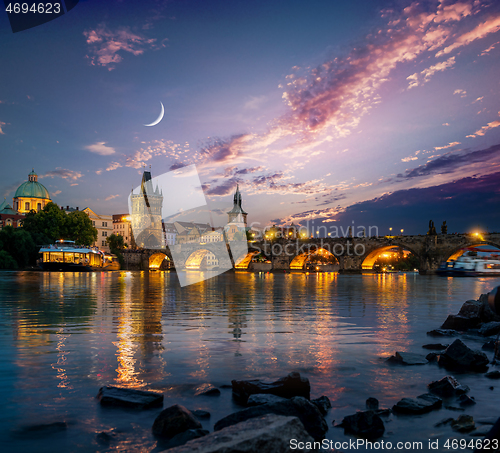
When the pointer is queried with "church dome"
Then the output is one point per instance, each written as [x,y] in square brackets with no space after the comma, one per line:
[32,188]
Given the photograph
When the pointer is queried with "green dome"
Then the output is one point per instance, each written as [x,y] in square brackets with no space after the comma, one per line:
[32,189]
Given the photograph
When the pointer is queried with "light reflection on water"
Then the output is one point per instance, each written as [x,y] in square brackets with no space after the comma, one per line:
[63,335]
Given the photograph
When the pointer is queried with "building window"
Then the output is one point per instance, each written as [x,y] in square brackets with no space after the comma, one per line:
[93,222]
[104,233]
[104,224]
[26,206]
[103,243]
[39,207]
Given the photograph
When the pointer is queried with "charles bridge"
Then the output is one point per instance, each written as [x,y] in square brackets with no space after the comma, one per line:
[353,254]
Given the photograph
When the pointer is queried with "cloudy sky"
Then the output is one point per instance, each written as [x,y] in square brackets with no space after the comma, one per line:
[385,113]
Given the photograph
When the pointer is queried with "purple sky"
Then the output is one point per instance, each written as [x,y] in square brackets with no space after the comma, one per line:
[379,112]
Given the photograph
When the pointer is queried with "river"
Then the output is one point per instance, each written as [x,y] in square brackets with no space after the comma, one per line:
[64,335]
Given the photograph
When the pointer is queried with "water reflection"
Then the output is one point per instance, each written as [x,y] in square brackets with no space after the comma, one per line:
[63,335]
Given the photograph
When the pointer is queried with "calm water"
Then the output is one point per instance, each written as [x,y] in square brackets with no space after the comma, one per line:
[64,335]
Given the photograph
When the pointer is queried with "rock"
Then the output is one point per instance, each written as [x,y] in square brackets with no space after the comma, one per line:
[307,412]
[266,434]
[40,430]
[432,357]
[184,437]
[384,412]
[458,322]
[372,404]
[199,413]
[131,398]
[447,386]
[435,346]
[407,358]
[443,422]
[323,404]
[471,309]
[463,424]
[465,400]
[489,345]
[364,424]
[491,388]
[490,328]
[460,356]
[287,387]
[442,333]
[174,420]
[420,405]
[207,390]
[493,374]
[103,438]
[487,314]
[262,398]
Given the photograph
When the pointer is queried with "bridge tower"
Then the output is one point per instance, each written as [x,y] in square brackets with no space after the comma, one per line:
[146,214]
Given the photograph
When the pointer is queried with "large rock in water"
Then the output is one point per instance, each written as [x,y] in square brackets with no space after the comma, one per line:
[365,424]
[287,387]
[490,328]
[460,356]
[458,322]
[174,420]
[267,434]
[307,412]
[407,358]
[447,386]
[135,399]
[419,405]
[259,399]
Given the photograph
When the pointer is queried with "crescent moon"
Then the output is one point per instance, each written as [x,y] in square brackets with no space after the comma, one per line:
[160,117]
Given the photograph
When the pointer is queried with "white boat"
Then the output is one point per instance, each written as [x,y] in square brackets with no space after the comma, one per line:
[472,265]
[67,256]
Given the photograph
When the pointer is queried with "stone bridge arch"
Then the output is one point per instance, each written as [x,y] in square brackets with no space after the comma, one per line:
[243,261]
[368,260]
[459,251]
[299,261]
[156,260]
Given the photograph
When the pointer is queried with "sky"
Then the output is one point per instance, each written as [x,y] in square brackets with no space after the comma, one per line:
[382,113]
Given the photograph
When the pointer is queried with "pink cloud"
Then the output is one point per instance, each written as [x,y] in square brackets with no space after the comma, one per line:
[484,129]
[489,26]
[106,46]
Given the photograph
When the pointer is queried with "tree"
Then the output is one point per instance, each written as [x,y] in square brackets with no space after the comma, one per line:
[19,245]
[52,223]
[444,228]
[115,242]
[79,228]
[6,261]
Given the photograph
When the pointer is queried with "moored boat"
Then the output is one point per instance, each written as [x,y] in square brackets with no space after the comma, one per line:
[67,256]
[472,265]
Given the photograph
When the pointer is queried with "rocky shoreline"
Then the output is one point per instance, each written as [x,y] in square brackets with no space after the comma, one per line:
[271,414]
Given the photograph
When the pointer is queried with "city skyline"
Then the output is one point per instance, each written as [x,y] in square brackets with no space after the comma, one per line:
[366,112]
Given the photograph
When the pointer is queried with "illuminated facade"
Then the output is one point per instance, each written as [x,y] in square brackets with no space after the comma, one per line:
[31,195]
[9,217]
[122,225]
[146,219]
[104,226]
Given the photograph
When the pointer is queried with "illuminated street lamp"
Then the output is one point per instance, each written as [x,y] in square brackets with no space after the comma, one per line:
[402,231]
[390,231]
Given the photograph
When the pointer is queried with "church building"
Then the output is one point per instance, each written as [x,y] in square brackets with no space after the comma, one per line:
[31,195]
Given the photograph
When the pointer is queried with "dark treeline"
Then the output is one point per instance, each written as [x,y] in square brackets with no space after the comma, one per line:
[19,246]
